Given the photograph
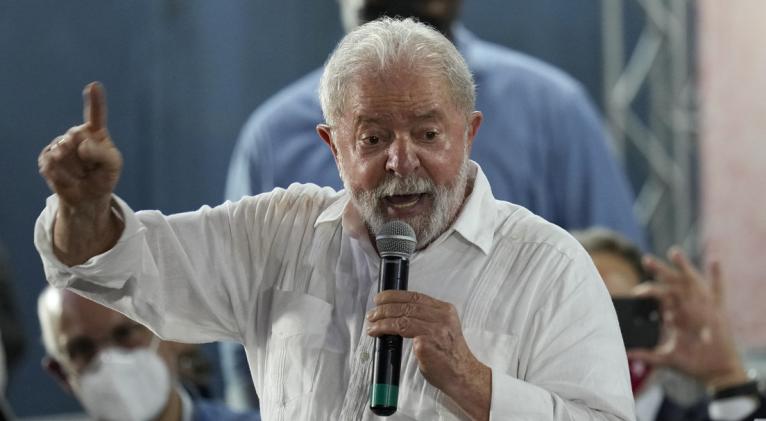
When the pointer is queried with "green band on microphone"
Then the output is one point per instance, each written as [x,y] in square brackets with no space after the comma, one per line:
[384,395]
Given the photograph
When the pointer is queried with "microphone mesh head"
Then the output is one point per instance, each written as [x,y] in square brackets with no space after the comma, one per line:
[396,238]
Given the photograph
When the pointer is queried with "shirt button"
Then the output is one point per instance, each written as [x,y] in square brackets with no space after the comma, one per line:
[364,356]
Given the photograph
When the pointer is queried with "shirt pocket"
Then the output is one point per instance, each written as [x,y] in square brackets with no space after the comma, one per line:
[499,351]
[299,324]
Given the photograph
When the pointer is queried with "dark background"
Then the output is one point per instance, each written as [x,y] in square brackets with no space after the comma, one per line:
[181,78]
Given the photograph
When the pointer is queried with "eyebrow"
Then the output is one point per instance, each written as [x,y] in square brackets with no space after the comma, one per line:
[112,332]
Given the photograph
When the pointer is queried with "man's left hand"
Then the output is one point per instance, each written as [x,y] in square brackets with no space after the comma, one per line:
[439,346]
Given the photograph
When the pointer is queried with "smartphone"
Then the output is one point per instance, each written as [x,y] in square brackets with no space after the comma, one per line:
[640,321]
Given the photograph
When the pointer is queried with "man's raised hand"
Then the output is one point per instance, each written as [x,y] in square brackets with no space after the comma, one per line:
[82,166]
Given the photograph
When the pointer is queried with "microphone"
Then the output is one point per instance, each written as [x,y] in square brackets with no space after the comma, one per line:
[396,242]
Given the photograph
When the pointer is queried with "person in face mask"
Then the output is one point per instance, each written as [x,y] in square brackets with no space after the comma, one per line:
[117,368]
[696,338]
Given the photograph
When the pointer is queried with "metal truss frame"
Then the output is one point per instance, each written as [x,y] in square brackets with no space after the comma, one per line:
[651,106]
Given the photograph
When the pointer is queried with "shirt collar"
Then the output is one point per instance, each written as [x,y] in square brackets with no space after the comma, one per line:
[334,212]
[344,211]
[475,222]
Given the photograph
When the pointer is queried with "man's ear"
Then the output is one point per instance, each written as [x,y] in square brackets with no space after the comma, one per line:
[474,121]
[325,132]
[56,370]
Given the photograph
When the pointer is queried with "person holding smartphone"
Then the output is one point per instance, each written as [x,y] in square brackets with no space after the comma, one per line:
[694,338]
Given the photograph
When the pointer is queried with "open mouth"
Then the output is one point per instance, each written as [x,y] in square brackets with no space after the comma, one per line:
[403,201]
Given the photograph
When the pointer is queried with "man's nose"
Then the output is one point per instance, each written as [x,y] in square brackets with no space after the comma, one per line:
[402,157]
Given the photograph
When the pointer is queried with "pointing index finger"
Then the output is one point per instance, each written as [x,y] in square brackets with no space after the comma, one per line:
[94,107]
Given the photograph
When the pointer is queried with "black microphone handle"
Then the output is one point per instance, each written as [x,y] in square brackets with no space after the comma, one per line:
[387,361]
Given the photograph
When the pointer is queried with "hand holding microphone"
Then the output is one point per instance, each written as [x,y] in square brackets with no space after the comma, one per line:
[443,355]
[396,242]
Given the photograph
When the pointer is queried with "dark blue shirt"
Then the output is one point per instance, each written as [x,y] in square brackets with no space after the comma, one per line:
[542,145]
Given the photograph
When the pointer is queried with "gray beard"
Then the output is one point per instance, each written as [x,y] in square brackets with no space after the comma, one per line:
[447,201]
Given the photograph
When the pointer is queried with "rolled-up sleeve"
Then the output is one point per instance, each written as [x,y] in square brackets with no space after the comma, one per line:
[123,255]
[178,277]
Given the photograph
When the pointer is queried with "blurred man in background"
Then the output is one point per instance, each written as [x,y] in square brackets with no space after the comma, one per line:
[117,368]
[542,144]
[696,337]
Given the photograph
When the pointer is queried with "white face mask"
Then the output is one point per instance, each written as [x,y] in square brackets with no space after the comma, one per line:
[125,385]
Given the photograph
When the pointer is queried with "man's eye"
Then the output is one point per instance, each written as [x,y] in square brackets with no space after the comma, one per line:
[124,333]
[81,351]
[371,140]
[430,135]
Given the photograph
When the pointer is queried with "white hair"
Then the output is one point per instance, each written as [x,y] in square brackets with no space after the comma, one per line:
[384,44]
[49,312]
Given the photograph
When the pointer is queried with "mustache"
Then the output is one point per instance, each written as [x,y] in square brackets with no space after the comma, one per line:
[393,186]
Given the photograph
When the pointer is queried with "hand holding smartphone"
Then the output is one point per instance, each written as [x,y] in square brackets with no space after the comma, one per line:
[640,321]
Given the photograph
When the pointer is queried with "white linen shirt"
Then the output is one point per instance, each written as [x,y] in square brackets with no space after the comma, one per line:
[291,274]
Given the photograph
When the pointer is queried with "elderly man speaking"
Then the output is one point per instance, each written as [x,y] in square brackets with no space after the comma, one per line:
[508,318]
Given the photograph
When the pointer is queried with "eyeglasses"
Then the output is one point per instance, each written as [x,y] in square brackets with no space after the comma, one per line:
[81,350]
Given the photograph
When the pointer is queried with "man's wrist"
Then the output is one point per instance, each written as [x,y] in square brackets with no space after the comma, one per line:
[85,231]
[734,377]
[474,391]
[743,389]
[737,402]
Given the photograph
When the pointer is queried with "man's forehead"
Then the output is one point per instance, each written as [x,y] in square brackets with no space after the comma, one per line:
[417,96]
[398,75]
[81,317]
